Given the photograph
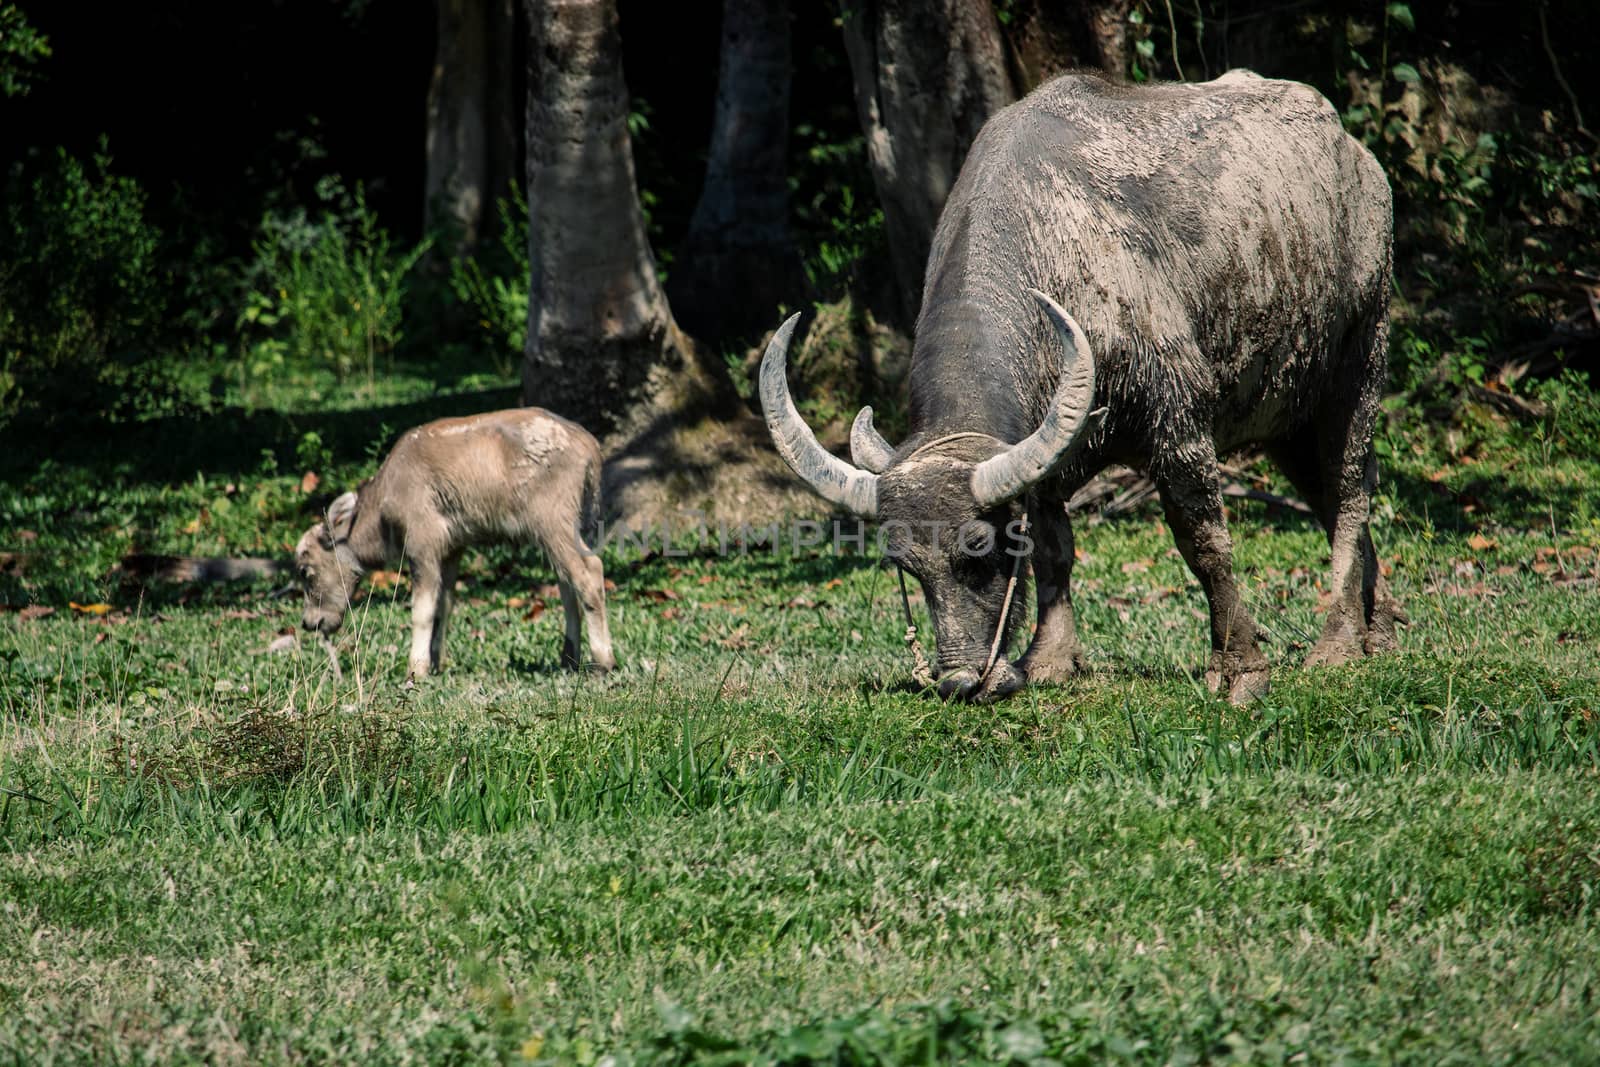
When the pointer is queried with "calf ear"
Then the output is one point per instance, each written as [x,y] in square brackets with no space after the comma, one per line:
[342,516]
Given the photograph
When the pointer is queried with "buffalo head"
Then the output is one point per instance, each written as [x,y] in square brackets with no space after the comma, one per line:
[948,507]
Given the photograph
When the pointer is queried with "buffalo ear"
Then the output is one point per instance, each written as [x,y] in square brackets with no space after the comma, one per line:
[342,516]
[319,533]
[868,449]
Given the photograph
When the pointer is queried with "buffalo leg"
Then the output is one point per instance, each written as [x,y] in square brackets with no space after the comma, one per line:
[1054,654]
[1363,615]
[1191,496]
[1298,459]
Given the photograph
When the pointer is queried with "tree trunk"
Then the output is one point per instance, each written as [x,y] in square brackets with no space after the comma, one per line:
[928,74]
[472,131]
[602,345]
[739,262]
[1046,37]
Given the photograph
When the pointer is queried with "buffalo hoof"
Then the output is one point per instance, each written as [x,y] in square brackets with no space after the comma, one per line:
[965,684]
[1334,650]
[1053,666]
[1382,635]
[1003,681]
[958,684]
[1242,677]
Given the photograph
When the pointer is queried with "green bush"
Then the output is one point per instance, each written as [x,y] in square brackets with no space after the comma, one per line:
[82,287]
[329,289]
[21,49]
[493,285]
[1492,209]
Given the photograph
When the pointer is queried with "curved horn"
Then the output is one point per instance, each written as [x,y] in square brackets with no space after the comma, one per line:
[1010,474]
[828,476]
[867,447]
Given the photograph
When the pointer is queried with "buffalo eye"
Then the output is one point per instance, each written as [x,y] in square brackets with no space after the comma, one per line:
[976,538]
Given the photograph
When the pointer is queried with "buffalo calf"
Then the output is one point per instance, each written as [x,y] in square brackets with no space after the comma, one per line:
[521,476]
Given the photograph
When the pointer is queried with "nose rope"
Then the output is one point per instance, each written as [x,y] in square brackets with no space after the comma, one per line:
[920,672]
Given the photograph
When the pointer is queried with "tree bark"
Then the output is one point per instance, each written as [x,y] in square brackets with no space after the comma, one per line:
[928,74]
[739,261]
[1046,37]
[472,145]
[602,346]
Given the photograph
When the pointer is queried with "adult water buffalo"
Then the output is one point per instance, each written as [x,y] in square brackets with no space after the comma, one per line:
[1227,249]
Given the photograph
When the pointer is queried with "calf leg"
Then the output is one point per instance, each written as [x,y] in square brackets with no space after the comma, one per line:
[425,576]
[1191,495]
[1054,653]
[448,570]
[583,599]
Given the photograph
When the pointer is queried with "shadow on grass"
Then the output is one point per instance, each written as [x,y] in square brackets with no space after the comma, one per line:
[227,441]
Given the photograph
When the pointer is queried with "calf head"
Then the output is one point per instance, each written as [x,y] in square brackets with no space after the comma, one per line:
[949,508]
[327,567]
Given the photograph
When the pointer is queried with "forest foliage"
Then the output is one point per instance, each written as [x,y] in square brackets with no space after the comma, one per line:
[117,280]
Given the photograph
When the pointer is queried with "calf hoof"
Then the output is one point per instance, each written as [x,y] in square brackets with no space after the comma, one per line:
[1241,677]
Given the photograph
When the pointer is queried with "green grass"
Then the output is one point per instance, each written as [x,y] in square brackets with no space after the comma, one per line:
[756,842]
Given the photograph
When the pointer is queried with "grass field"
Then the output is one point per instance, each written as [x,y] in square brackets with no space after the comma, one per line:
[756,841]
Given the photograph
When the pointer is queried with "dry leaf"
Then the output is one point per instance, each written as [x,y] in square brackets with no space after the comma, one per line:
[283,642]
[660,596]
[534,611]
[384,580]
[26,537]
[1137,566]
[309,482]
[35,611]
[515,602]
[1480,543]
